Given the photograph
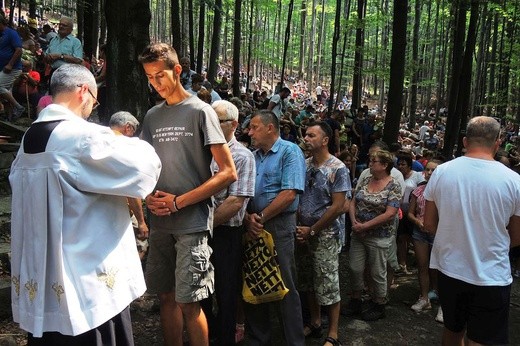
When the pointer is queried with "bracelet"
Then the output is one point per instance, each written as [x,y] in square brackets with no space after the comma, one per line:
[175,204]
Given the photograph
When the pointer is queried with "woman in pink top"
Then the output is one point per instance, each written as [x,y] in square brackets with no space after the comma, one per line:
[44,102]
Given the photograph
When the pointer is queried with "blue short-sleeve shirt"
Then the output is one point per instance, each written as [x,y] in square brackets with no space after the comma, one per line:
[281,168]
[9,41]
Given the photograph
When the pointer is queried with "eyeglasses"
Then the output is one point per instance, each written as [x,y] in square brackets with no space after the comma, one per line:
[96,102]
[373,161]
[224,120]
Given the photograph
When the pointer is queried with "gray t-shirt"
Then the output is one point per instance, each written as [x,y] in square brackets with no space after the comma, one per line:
[181,135]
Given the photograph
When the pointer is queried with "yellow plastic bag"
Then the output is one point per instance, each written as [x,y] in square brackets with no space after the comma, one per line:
[261,273]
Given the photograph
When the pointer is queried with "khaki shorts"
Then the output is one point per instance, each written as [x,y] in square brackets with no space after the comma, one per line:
[180,263]
[7,80]
[318,265]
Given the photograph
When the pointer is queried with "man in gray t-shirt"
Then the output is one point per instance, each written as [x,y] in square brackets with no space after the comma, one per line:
[186,135]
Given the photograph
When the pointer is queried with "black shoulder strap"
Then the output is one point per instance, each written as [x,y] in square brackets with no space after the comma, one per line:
[36,138]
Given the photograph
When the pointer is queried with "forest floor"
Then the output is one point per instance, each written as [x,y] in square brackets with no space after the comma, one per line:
[401,326]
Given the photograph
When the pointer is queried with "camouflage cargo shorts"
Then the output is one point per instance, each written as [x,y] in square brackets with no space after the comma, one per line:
[317,262]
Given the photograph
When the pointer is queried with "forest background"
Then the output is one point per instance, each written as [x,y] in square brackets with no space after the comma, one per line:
[409,55]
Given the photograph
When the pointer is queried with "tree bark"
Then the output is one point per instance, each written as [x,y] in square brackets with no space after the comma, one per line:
[358,56]
[128,34]
[176,33]
[286,40]
[465,83]
[335,39]
[303,39]
[237,34]
[453,121]
[397,63]
[202,31]
[215,42]
[191,38]
[415,65]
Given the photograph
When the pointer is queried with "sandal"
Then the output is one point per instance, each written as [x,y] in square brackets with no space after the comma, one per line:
[334,342]
[315,331]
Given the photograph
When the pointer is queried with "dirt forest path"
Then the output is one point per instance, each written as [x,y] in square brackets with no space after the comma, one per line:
[401,326]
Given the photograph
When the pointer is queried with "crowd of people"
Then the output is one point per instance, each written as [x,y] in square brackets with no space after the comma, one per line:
[212,168]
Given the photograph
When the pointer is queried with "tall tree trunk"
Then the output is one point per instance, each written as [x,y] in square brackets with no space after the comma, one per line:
[215,42]
[191,38]
[303,39]
[415,65]
[335,39]
[202,31]
[358,56]
[453,121]
[343,50]
[395,90]
[321,38]
[80,20]
[465,76]
[441,75]
[286,40]
[491,101]
[384,57]
[128,24]
[503,89]
[432,58]
[87,29]
[176,33]
[102,23]
[250,44]
[310,76]
[237,34]
[479,90]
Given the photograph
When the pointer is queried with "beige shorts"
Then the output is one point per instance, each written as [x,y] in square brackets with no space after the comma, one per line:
[180,263]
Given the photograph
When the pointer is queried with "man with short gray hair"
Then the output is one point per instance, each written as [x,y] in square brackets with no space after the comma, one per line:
[230,209]
[124,123]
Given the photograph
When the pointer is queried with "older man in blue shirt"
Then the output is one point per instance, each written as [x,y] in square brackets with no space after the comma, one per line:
[280,179]
[64,48]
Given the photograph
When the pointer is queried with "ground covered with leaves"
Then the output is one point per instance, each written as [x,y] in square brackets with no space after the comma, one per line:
[401,326]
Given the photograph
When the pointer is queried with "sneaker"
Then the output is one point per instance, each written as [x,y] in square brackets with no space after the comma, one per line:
[17,113]
[433,295]
[353,308]
[421,304]
[440,317]
[373,312]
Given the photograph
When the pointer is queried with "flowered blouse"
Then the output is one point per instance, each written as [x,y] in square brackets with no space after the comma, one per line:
[372,204]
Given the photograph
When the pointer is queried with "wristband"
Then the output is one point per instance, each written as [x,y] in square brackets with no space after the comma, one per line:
[175,204]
